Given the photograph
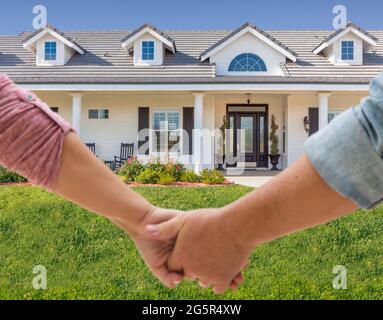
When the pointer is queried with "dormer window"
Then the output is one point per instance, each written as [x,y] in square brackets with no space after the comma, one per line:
[347,50]
[148,46]
[346,46]
[50,51]
[51,46]
[148,50]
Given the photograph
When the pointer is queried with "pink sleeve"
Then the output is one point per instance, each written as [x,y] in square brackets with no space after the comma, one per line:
[31,135]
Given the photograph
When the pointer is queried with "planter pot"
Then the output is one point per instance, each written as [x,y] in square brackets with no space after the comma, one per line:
[221,165]
[274,159]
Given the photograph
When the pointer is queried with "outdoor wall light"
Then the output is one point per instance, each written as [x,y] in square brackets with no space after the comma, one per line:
[248,98]
[306,124]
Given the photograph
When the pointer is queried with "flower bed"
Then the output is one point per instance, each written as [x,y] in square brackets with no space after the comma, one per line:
[155,172]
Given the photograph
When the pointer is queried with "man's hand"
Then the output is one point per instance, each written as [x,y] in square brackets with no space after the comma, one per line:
[156,252]
[207,249]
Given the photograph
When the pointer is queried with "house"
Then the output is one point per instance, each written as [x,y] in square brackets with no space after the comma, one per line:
[176,87]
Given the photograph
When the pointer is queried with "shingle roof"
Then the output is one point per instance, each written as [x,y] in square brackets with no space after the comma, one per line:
[339,31]
[104,60]
[53,28]
[248,24]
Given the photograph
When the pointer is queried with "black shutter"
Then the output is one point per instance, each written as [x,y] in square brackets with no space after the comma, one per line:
[143,128]
[188,126]
[314,120]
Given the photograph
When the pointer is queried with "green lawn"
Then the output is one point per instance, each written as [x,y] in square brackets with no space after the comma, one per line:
[88,258]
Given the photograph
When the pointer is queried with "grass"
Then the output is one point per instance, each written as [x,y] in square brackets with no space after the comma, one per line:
[88,258]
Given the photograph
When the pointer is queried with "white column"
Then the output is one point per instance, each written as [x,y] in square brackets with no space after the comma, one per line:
[323,109]
[76,111]
[197,133]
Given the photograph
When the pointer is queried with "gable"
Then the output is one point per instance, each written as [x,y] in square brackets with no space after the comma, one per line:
[247,43]
[257,33]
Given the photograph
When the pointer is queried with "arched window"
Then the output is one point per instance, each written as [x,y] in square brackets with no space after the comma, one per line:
[247,62]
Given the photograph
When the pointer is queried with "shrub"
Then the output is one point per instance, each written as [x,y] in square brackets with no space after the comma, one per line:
[131,170]
[175,169]
[212,177]
[148,176]
[165,178]
[10,177]
[190,176]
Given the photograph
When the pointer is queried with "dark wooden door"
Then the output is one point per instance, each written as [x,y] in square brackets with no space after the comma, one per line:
[252,141]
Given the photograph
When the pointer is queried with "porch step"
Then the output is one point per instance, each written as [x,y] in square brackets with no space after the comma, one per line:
[247,165]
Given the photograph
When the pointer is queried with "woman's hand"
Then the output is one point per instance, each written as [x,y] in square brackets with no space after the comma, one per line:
[156,252]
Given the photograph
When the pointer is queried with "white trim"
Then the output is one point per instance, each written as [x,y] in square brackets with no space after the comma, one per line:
[254,33]
[45,62]
[196,87]
[342,34]
[29,44]
[152,130]
[341,51]
[126,45]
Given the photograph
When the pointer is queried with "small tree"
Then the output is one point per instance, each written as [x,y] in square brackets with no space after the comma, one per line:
[223,136]
[274,137]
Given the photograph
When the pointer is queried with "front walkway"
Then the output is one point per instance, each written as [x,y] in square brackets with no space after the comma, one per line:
[251,178]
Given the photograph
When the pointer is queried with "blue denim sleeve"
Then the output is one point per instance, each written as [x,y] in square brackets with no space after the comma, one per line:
[348,153]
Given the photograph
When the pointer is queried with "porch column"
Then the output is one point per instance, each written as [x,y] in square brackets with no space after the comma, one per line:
[197,132]
[76,111]
[323,109]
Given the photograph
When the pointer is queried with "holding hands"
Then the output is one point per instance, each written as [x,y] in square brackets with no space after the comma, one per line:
[199,245]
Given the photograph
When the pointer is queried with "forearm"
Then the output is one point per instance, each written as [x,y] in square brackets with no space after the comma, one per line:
[86,181]
[295,200]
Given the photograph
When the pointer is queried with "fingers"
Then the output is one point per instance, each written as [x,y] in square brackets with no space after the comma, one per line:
[169,279]
[220,289]
[166,230]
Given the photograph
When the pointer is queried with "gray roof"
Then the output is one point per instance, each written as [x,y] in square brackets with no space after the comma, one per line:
[339,31]
[49,26]
[104,60]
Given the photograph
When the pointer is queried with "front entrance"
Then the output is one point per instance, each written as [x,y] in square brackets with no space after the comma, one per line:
[248,134]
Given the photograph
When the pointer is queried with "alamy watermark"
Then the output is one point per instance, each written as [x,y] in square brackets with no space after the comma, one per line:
[340,280]
[340,19]
[40,19]
[40,280]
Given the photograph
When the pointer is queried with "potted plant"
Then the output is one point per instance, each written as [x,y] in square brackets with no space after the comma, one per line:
[222,144]
[274,148]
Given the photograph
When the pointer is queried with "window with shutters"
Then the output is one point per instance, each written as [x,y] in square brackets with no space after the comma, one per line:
[166,133]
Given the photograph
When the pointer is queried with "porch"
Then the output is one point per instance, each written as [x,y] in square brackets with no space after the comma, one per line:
[121,115]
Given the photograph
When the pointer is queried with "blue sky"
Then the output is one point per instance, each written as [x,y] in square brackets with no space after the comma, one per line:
[16,15]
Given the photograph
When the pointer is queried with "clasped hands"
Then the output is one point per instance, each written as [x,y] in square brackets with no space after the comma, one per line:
[203,245]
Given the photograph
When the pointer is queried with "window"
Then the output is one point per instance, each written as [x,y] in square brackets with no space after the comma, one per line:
[347,50]
[148,50]
[98,114]
[50,51]
[55,109]
[332,115]
[166,132]
[247,62]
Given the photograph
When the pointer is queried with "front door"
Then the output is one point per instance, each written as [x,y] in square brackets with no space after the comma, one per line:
[249,135]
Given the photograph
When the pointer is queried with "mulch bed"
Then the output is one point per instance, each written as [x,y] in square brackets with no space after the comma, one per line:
[176,184]
[16,184]
[181,184]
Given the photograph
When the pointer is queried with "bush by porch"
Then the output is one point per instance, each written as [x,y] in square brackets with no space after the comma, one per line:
[166,173]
